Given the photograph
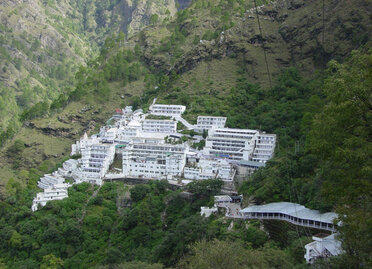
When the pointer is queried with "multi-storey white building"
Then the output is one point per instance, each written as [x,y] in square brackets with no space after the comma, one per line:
[96,161]
[159,126]
[108,135]
[49,180]
[207,169]
[235,144]
[83,143]
[57,192]
[154,160]
[240,144]
[209,122]
[167,110]
[264,148]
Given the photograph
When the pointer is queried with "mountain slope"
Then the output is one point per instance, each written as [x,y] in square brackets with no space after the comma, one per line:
[44,42]
[197,58]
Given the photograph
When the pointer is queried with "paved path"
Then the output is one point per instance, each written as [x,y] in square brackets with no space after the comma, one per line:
[185,122]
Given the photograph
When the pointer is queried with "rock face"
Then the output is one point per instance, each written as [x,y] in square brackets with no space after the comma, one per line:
[292,34]
[44,42]
[184,3]
[142,11]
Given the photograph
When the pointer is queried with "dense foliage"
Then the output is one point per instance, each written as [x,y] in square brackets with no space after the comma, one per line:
[323,155]
[333,170]
[118,224]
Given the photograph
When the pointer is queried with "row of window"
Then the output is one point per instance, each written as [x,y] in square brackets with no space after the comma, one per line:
[292,218]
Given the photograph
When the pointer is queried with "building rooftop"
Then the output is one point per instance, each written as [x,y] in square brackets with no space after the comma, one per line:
[251,163]
[292,209]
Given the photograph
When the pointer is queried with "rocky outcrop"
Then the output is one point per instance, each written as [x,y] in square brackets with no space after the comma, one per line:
[141,12]
[292,34]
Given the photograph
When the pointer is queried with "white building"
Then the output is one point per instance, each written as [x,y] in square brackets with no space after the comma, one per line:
[96,160]
[57,192]
[167,110]
[159,126]
[154,160]
[294,213]
[209,122]
[206,211]
[49,180]
[68,167]
[208,169]
[264,149]
[235,144]
[240,144]
[323,247]
[108,135]
[83,143]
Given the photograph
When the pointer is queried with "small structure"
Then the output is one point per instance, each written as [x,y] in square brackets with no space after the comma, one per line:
[323,246]
[222,199]
[49,180]
[206,211]
[108,135]
[208,169]
[57,192]
[247,168]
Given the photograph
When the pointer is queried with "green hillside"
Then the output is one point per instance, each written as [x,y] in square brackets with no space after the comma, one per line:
[43,43]
[313,90]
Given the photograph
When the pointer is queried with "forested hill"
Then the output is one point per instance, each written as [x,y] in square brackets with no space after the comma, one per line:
[209,56]
[42,44]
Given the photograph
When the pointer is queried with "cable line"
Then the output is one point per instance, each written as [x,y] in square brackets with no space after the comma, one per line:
[323,22]
[263,47]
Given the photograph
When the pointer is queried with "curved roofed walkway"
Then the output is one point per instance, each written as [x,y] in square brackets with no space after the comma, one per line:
[294,213]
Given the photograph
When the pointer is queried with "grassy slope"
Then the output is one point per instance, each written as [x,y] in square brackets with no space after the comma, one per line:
[48,150]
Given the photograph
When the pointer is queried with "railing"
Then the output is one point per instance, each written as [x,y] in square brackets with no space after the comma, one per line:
[301,222]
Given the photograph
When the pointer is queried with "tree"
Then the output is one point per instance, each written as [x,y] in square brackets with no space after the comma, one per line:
[205,188]
[51,262]
[138,192]
[341,138]
[16,240]
[218,254]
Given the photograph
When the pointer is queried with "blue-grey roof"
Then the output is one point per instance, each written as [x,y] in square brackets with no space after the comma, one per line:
[292,209]
[251,163]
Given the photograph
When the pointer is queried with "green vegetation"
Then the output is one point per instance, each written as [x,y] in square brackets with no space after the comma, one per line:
[99,227]
[323,125]
[330,168]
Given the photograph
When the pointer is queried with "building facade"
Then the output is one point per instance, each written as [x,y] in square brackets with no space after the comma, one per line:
[323,246]
[209,122]
[49,180]
[57,192]
[240,144]
[209,169]
[96,161]
[154,160]
[167,110]
[235,144]
[159,126]
[264,148]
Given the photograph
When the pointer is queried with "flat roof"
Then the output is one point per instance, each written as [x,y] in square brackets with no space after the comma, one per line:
[292,209]
[251,163]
